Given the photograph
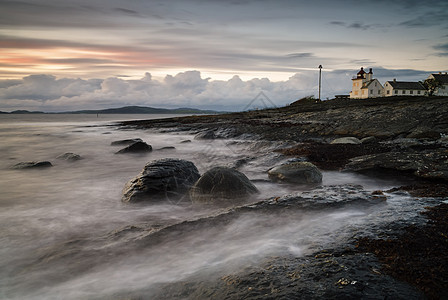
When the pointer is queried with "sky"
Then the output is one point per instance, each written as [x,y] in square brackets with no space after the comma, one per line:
[60,55]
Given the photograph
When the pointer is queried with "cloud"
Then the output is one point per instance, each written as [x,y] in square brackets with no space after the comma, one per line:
[429,19]
[443,48]
[356,25]
[186,89]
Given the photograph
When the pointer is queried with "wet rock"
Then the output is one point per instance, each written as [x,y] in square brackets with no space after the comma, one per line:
[160,180]
[126,142]
[69,156]
[346,140]
[296,172]
[368,140]
[32,165]
[185,141]
[404,142]
[167,148]
[424,133]
[137,147]
[431,164]
[206,135]
[220,185]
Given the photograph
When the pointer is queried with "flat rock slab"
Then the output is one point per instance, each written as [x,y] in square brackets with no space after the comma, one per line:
[432,164]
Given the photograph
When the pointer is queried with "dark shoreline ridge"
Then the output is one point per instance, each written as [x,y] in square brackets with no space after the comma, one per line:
[407,136]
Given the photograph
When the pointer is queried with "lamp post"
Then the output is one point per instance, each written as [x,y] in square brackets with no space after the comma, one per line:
[320,78]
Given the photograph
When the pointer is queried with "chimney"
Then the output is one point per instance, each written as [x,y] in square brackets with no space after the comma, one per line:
[395,79]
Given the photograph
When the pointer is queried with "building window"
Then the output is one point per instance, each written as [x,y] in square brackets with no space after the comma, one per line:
[418,92]
[388,92]
[375,83]
[371,91]
[411,92]
[396,92]
[379,92]
[356,93]
[403,92]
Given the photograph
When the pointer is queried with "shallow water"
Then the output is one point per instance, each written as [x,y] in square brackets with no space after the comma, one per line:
[42,210]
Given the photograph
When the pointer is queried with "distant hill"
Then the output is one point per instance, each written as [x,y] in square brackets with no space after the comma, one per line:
[144,110]
[130,110]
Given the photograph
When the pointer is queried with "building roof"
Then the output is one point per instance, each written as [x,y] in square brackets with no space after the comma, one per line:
[443,78]
[367,83]
[406,85]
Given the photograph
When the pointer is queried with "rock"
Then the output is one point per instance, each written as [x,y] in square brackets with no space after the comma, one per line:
[205,135]
[185,141]
[222,185]
[164,179]
[368,140]
[431,164]
[296,172]
[32,164]
[405,142]
[167,148]
[346,140]
[424,133]
[137,147]
[126,142]
[69,156]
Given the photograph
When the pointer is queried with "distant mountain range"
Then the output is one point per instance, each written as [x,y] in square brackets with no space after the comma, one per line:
[126,110]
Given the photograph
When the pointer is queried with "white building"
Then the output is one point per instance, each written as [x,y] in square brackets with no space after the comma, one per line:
[443,78]
[365,86]
[403,88]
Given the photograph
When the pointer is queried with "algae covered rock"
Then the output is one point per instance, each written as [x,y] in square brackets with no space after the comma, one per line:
[222,184]
[296,172]
[161,180]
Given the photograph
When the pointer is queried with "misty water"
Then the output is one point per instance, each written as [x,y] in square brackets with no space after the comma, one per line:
[65,234]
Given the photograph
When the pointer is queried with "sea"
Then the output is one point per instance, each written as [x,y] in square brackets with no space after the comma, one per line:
[66,234]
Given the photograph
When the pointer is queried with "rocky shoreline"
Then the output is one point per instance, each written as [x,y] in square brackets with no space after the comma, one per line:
[396,136]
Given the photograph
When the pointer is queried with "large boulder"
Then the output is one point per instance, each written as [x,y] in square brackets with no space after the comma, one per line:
[296,172]
[32,165]
[164,179]
[222,185]
[137,147]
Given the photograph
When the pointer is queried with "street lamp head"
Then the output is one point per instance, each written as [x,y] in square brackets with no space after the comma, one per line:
[320,66]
